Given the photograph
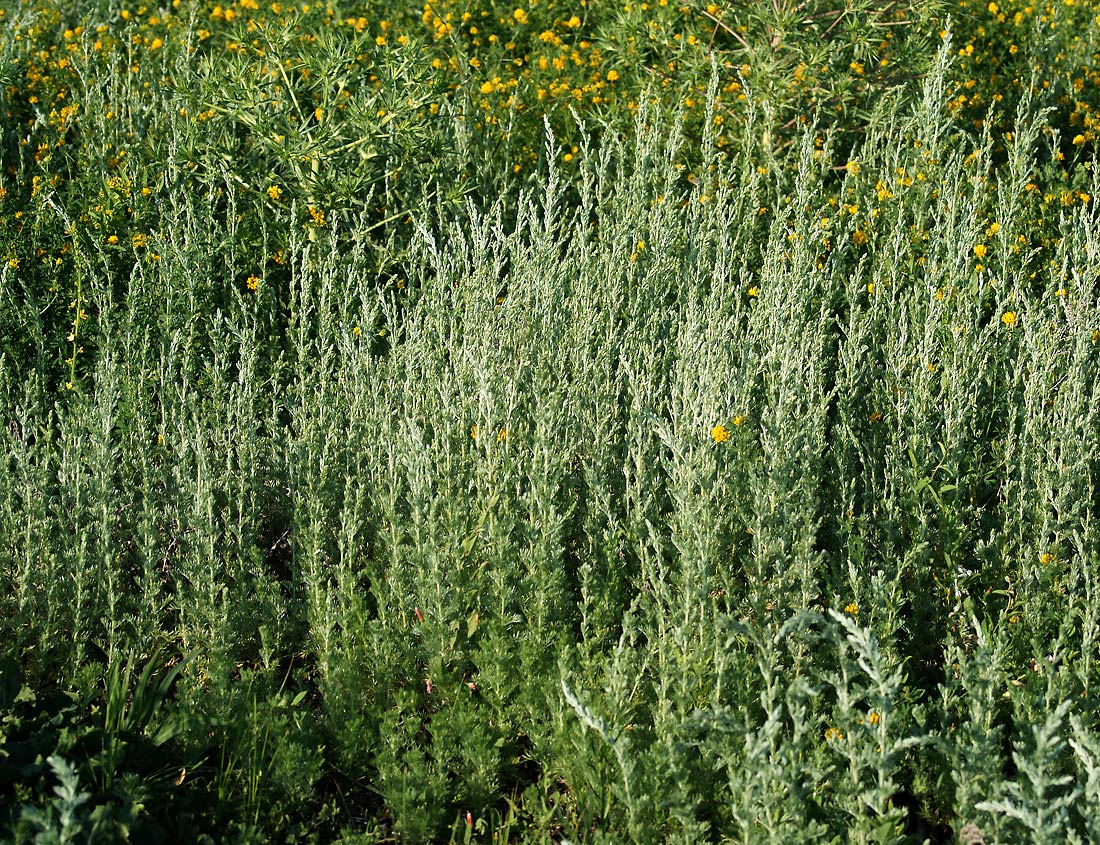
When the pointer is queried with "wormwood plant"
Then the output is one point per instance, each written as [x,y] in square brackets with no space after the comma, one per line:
[748,508]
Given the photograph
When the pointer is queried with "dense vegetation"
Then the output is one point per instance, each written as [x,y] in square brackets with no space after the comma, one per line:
[573,422]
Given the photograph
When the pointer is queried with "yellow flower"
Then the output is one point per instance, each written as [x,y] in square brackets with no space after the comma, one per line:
[739,419]
[1046,557]
[502,435]
[275,192]
[252,282]
[520,15]
[474,432]
[1078,139]
[487,87]
[1009,318]
[859,237]
[980,250]
[851,608]
[612,75]
[832,734]
[720,434]
[754,291]
[873,717]
[156,44]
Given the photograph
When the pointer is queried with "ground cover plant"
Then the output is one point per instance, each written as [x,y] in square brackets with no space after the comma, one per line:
[591,422]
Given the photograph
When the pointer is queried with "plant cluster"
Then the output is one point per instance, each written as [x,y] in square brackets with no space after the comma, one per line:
[401,446]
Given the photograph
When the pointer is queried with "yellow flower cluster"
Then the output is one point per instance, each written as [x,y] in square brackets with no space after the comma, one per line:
[508,64]
[1004,52]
